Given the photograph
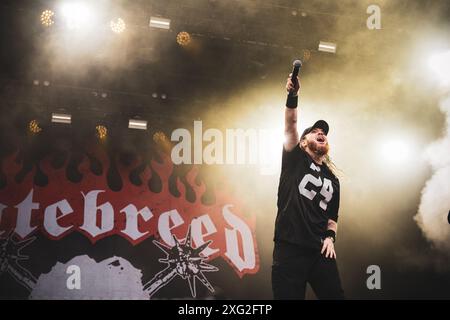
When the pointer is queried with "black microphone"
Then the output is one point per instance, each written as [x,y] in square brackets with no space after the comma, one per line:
[297,65]
[292,101]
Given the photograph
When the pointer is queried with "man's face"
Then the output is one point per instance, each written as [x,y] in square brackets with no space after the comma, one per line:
[317,141]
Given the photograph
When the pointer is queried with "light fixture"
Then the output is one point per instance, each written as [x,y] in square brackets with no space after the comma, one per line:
[327,47]
[306,55]
[183,38]
[101,132]
[137,124]
[162,141]
[61,118]
[34,127]
[439,63]
[160,23]
[46,18]
[159,137]
[117,26]
[76,15]
[395,151]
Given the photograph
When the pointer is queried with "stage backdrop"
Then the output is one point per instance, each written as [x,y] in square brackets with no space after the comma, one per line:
[94,222]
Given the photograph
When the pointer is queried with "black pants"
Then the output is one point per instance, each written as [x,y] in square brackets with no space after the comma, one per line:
[293,267]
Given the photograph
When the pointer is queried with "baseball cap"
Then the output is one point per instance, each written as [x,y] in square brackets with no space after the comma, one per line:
[321,124]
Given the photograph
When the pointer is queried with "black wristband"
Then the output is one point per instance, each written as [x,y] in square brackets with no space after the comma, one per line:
[330,233]
[291,101]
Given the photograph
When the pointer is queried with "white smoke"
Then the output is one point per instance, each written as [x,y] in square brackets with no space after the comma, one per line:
[435,202]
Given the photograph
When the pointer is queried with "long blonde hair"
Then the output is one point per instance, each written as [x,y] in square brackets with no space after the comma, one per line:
[338,173]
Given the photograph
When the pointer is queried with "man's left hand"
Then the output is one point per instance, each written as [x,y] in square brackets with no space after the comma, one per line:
[328,248]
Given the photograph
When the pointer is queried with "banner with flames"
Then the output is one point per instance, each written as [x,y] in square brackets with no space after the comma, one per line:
[92,226]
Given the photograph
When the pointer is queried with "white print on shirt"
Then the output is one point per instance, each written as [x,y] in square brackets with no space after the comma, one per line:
[326,192]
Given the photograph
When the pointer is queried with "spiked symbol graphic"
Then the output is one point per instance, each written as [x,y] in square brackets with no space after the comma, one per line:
[184,261]
[10,255]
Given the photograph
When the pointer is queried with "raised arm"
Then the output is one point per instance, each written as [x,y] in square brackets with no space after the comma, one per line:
[290,115]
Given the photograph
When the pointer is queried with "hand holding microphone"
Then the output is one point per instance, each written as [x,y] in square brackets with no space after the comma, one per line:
[293,86]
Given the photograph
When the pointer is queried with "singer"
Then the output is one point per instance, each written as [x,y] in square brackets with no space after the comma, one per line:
[308,205]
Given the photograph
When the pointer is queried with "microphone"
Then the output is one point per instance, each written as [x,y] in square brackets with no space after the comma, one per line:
[297,64]
[292,101]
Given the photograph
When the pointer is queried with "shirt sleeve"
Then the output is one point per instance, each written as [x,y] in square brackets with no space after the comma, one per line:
[290,158]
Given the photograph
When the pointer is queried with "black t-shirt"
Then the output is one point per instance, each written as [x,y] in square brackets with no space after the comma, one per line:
[308,195]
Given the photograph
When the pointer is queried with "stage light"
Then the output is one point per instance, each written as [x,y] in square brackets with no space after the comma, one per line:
[306,55]
[76,15]
[117,26]
[159,137]
[183,38]
[34,127]
[101,132]
[327,47]
[46,83]
[160,23]
[137,124]
[164,96]
[154,95]
[36,82]
[61,118]
[395,150]
[162,141]
[47,18]
[440,64]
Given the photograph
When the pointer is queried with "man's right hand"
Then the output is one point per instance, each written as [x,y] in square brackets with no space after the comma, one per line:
[293,86]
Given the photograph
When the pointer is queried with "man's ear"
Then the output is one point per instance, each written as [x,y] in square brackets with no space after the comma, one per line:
[303,143]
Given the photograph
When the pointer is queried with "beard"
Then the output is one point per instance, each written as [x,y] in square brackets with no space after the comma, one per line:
[319,150]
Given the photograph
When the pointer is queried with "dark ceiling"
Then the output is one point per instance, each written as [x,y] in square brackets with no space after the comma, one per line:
[237,44]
